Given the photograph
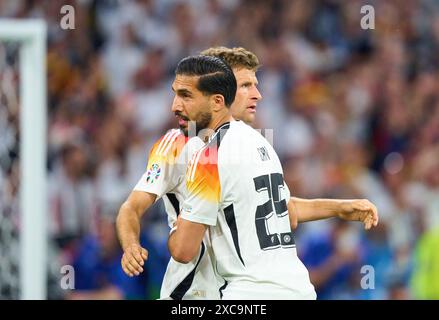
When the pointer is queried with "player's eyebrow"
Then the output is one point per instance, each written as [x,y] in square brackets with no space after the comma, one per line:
[249,83]
[183,92]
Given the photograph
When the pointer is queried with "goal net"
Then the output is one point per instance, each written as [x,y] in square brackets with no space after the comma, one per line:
[23,198]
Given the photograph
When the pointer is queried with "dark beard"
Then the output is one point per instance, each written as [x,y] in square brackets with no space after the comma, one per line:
[201,122]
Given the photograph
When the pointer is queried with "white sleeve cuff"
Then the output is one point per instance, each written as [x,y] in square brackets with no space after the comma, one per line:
[198,219]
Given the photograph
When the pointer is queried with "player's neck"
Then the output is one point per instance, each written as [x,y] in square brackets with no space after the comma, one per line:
[219,121]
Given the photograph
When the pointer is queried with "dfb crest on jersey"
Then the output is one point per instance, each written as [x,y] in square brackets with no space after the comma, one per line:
[153,173]
[263,153]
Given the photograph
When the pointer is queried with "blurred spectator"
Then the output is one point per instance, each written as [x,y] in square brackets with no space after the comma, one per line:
[332,258]
[97,268]
[425,279]
[72,198]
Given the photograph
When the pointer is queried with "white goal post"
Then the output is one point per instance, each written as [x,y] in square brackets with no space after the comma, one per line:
[31,35]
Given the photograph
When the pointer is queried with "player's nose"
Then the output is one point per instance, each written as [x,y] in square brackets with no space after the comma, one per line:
[256,94]
[176,105]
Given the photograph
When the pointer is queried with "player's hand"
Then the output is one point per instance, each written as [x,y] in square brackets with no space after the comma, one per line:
[359,210]
[133,259]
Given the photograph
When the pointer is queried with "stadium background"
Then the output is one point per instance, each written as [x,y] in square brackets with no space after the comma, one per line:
[355,114]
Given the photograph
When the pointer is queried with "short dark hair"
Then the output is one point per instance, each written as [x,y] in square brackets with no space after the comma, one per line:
[216,77]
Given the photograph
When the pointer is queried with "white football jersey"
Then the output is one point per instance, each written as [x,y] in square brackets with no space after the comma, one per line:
[236,187]
[165,177]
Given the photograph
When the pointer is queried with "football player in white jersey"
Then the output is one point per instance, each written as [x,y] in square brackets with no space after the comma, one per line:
[253,248]
[164,179]
[236,192]
[245,64]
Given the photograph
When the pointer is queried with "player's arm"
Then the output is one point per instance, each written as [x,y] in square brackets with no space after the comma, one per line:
[154,183]
[185,240]
[128,230]
[303,210]
[200,209]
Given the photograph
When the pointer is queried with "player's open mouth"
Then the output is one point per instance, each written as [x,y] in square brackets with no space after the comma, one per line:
[182,121]
[251,109]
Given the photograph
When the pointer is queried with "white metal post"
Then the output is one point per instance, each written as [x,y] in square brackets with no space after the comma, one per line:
[31,34]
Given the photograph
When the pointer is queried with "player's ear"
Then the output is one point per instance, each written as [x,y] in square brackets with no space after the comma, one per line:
[217,101]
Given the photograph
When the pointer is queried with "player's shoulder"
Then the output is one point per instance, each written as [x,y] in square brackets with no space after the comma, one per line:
[236,138]
[170,145]
[202,176]
[239,125]
[206,155]
[238,131]
[244,145]
[245,131]
[195,142]
[204,160]
[229,134]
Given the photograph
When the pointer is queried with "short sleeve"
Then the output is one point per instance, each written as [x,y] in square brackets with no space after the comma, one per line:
[203,185]
[160,176]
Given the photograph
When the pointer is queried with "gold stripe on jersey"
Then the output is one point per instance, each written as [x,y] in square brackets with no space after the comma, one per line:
[202,177]
[168,148]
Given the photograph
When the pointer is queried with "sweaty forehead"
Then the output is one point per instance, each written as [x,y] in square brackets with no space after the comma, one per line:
[244,75]
[185,82]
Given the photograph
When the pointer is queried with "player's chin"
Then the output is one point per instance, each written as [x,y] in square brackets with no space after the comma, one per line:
[249,118]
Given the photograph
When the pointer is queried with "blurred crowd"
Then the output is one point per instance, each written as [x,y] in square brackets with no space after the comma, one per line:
[354,113]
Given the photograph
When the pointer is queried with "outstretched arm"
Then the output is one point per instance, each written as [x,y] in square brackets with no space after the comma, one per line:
[128,230]
[302,210]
